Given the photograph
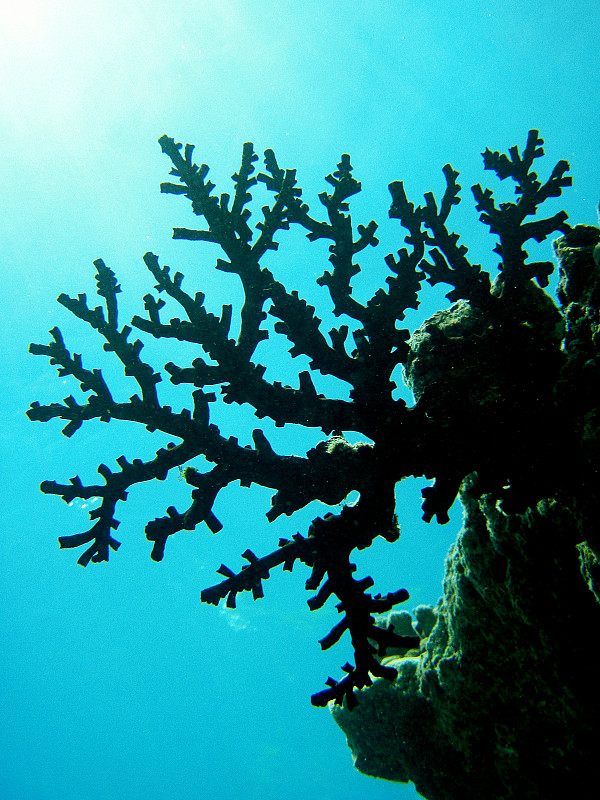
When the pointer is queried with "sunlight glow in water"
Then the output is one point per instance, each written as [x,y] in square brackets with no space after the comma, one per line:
[34,55]
[55,57]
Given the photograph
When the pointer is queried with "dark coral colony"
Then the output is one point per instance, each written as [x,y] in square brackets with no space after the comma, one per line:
[504,382]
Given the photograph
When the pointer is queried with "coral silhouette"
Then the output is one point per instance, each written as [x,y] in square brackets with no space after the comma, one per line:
[484,377]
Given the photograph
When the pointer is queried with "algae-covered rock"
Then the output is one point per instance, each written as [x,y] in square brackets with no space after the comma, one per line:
[501,702]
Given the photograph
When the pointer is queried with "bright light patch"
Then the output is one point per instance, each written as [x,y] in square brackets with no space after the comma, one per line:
[75,74]
[21,22]
[25,42]
[65,66]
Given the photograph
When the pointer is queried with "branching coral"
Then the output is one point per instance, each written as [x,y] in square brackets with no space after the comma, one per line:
[493,428]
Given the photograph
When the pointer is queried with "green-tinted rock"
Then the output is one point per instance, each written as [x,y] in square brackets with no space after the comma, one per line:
[502,702]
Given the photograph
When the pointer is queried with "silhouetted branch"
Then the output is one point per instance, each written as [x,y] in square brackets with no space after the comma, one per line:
[483,374]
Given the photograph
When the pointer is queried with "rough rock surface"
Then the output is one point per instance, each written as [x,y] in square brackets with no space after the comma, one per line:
[501,701]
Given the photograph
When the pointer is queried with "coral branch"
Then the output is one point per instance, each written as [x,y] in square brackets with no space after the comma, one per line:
[483,374]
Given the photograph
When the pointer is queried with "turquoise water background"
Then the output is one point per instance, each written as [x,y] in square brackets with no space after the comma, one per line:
[116,682]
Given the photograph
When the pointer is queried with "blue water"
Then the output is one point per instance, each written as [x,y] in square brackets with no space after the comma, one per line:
[116,682]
